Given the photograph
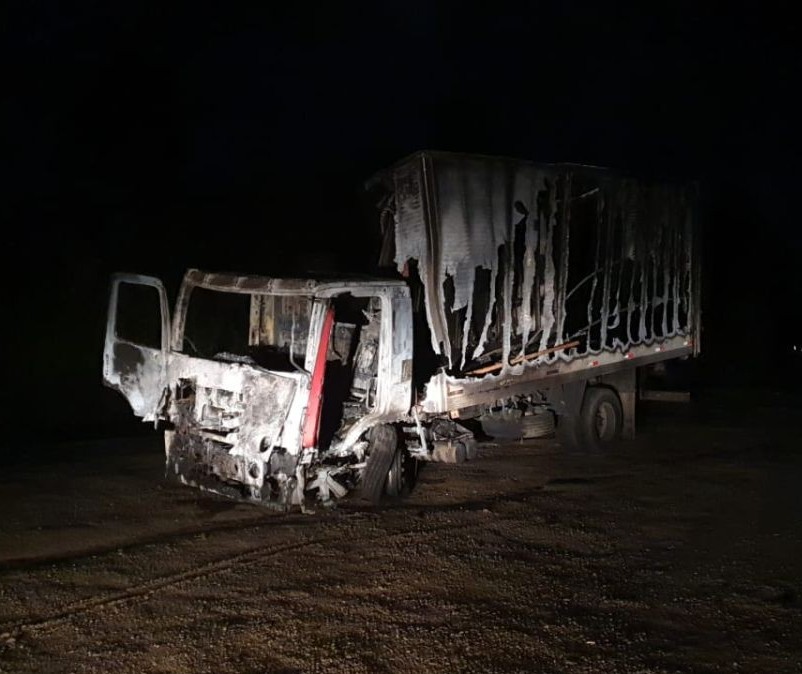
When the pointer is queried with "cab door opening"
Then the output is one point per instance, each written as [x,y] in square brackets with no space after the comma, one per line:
[349,390]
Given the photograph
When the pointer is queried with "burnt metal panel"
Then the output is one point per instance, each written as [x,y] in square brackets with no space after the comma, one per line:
[137,371]
[518,258]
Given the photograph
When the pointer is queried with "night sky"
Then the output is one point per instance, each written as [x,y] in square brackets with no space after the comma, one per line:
[152,137]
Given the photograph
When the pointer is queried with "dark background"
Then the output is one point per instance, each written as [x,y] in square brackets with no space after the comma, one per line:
[152,136]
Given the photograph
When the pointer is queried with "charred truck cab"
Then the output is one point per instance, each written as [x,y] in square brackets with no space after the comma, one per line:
[524,297]
[269,387]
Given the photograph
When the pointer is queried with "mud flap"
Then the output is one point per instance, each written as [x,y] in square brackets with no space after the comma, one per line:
[566,401]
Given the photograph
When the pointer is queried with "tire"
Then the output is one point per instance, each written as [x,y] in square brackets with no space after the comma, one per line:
[601,418]
[394,484]
[383,456]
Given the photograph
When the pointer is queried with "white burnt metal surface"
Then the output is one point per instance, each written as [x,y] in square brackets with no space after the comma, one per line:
[528,267]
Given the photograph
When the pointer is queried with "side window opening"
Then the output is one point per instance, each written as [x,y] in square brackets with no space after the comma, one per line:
[269,331]
[366,357]
[352,364]
[138,317]
[280,330]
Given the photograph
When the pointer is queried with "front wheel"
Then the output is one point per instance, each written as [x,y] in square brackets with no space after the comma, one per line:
[383,470]
[394,484]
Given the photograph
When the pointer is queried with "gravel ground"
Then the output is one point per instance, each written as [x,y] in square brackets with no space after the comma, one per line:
[677,552]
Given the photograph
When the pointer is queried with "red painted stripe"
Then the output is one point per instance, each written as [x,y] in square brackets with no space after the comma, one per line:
[315,404]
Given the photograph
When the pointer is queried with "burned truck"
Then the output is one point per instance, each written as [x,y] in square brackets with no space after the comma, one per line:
[516,297]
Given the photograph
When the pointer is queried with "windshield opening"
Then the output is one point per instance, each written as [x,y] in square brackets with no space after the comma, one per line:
[264,330]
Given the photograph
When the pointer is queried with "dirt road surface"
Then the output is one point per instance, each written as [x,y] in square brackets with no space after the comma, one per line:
[678,552]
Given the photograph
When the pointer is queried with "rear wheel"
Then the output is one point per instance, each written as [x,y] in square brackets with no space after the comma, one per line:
[601,418]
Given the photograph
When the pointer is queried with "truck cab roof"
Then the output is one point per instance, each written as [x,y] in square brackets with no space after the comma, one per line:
[249,283]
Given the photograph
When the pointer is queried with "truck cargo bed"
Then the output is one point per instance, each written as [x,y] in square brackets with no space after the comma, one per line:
[532,272]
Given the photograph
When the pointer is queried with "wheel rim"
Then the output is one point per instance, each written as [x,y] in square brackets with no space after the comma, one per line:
[605,421]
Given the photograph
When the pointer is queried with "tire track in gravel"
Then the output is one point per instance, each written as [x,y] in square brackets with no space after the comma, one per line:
[31,563]
[354,511]
[149,587]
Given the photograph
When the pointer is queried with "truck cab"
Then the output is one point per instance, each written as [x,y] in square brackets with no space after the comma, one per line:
[267,388]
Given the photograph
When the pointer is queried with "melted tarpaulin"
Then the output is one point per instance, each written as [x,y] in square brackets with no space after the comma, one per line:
[517,259]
